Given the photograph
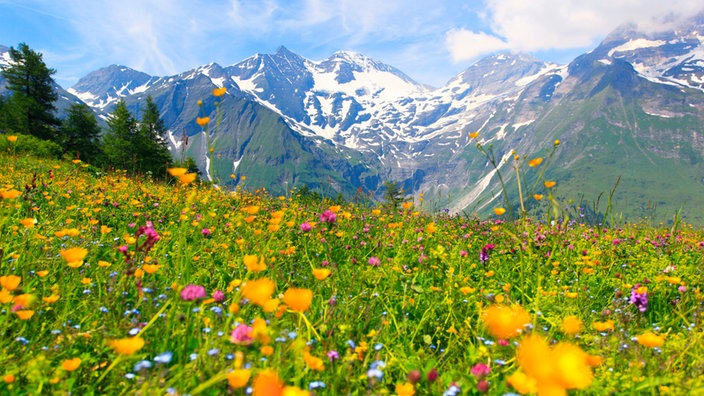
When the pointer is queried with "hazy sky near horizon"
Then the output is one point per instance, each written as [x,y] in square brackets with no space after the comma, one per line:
[431,41]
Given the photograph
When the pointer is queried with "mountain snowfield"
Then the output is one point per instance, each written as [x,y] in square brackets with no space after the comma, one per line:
[351,122]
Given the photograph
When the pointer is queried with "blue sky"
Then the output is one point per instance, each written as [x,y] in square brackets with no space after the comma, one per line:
[431,41]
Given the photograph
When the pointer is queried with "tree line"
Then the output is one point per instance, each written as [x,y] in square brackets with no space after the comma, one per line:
[138,146]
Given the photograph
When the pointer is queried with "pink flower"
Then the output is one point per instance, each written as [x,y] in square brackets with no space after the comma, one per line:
[218,296]
[374,261]
[193,292]
[205,232]
[480,370]
[241,335]
[328,217]
[305,227]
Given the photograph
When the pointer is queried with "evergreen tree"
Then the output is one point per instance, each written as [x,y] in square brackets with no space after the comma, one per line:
[80,133]
[119,142]
[393,194]
[152,149]
[33,94]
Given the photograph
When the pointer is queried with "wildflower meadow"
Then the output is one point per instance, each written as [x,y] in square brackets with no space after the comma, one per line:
[119,285]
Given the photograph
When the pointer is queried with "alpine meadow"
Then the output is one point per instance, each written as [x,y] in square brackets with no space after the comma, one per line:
[283,226]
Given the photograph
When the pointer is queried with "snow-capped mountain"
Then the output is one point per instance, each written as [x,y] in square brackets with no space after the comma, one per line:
[632,107]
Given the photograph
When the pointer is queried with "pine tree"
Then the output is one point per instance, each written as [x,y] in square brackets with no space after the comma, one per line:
[33,95]
[80,134]
[119,142]
[152,149]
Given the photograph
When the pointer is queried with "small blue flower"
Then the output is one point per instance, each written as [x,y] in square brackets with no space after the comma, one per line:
[164,358]
[316,385]
[142,365]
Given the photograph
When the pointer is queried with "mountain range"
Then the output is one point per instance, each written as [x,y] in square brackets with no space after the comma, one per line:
[629,113]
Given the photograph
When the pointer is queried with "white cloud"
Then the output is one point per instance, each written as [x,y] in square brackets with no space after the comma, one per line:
[527,26]
[464,44]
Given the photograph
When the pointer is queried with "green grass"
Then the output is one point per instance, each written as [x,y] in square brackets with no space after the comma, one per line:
[419,309]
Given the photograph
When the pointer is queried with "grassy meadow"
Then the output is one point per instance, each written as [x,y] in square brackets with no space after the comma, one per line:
[118,285]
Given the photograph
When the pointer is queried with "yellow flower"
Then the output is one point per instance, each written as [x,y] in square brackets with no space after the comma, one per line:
[405,389]
[535,162]
[473,135]
[499,211]
[571,325]
[12,138]
[258,291]
[10,282]
[202,121]
[238,378]
[298,299]
[74,256]
[71,364]
[24,314]
[549,184]
[571,366]
[294,391]
[267,383]
[313,363]
[505,322]
[219,91]
[557,142]
[103,264]
[321,273]
[126,346]
[650,339]
[10,194]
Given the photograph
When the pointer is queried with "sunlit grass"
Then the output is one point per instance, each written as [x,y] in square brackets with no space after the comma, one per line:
[116,285]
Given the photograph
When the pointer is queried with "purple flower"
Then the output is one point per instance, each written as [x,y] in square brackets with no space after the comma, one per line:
[333,355]
[193,292]
[305,227]
[484,254]
[639,298]
[205,232]
[328,216]
[374,261]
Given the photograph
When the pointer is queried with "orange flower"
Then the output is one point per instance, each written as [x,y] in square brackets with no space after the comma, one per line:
[603,326]
[549,184]
[42,273]
[571,325]
[313,363]
[175,172]
[150,268]
[74,256]
[10,194]
[126,346]
[267,383]
[522,383]
[499,211]
[650,339]
[473,135]
[71,364]
[202,121]
[10,282]
[12,138]
[219,91]
[535,162]
[254,263]
[537,197]
[298,299]
[571,366]
[238,378]
[505,322]
[321,273]
[28,222]
[51,299]
[24,314]
[9,378]
[5,296]
[405,389]
[187,178]
[258,291]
